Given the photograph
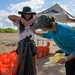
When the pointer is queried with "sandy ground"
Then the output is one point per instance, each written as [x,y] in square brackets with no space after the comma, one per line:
[8,42]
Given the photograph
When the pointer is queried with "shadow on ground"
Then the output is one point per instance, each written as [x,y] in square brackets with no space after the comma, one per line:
[49,69]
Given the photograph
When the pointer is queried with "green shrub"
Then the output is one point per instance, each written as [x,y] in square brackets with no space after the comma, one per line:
[8,30]
[2,30]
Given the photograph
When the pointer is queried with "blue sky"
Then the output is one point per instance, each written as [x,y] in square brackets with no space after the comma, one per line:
[8,7]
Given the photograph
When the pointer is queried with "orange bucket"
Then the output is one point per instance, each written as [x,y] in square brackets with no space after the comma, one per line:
[0,67]
[6,69]
[14,64]
[39,51]
[47,50]
[12,57]
[48,43]
[44,51]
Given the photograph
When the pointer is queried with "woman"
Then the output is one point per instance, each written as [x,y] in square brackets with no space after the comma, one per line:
[64,37]
[25,38]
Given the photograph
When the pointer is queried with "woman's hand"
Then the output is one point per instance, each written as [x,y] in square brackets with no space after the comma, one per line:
[23,21]
[32,29]
[62,61]
[30,22]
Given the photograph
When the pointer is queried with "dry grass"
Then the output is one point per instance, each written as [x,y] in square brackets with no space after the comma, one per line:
[8,42]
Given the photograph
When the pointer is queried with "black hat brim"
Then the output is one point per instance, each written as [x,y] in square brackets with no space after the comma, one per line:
[20,12]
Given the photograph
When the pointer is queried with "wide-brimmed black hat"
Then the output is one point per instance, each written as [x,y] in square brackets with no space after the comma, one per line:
[26,9]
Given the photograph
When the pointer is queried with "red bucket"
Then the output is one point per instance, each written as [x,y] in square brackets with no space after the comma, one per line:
[39,51]
[6,69]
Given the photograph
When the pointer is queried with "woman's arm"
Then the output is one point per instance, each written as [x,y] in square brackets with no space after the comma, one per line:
[39,34]
[14,18]
[68,58]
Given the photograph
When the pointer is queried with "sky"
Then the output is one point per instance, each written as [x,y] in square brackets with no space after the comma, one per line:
[11,7]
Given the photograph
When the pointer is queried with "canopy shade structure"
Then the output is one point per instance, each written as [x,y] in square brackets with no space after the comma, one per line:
[60,14]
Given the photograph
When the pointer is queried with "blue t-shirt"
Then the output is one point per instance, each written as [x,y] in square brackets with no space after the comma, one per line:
[64,37]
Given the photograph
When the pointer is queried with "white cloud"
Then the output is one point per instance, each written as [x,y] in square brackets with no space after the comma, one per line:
[67,9]
[1,26]
[14,8]
[34,4]
[74,10]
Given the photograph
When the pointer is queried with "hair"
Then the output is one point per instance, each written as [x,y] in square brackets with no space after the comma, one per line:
[22,27]
[52,21]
